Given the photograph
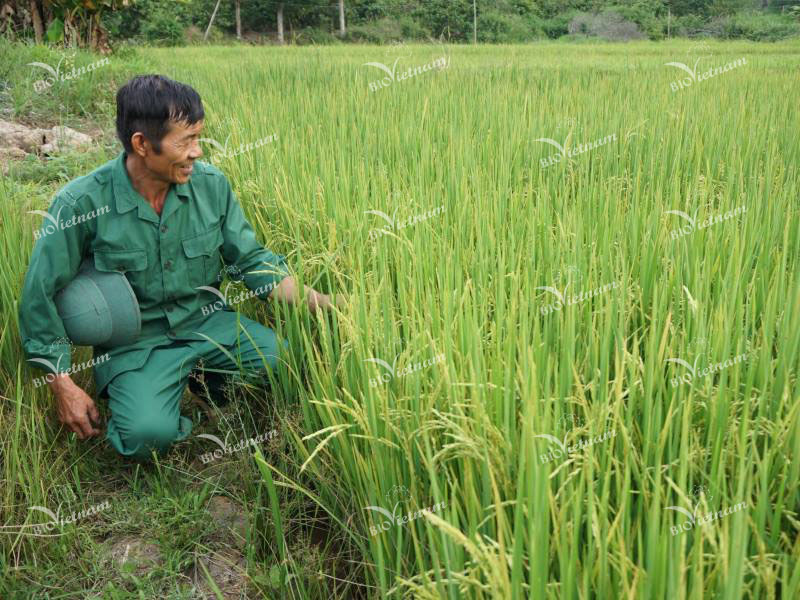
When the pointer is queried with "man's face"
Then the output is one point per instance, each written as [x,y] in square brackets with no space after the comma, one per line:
[179,149]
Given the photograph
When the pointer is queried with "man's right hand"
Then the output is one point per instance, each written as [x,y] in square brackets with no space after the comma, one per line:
[75,408]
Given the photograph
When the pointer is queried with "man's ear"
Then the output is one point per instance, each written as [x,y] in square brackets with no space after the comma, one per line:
[141,147]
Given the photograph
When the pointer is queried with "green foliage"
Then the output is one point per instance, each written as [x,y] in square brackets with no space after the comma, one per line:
[467,431]
[718,8]
[71,21]
[59,169]
[758,27]
[499,21]
[644,14]
[151,21]
[55,31]
[679,8]
[503,28]
[159,22]
[608,25]
[689,26]
[450,19]
[387,30]
[557,25]
[314,36]
[84,95]
[161,28]
[198,12]
[464,432]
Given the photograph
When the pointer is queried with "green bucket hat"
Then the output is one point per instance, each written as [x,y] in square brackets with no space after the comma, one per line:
[99,308]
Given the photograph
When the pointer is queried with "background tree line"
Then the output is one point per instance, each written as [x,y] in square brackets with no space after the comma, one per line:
[100,23]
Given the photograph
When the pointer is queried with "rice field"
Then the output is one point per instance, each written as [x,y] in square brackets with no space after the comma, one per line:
[568,363]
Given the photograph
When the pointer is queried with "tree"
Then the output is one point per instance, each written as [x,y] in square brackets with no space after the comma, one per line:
[280,23]
[211,20]
[238,20]
[36,17]
[73,22]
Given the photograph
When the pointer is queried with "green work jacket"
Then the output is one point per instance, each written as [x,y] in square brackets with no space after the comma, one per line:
[165,258]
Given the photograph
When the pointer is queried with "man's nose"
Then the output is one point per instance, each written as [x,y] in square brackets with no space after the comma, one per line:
[196,150]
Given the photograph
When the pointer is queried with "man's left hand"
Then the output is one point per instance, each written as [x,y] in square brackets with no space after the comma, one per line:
[287,290]
[317,300]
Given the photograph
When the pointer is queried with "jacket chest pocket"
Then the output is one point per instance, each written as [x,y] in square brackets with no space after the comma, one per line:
[131,263]
[203,260]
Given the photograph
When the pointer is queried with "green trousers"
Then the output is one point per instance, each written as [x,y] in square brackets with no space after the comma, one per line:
[145,402]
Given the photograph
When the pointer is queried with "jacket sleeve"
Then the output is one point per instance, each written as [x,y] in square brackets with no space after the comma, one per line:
[262,269]
[56,258]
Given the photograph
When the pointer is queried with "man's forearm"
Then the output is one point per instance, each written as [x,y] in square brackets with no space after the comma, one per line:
[60,383]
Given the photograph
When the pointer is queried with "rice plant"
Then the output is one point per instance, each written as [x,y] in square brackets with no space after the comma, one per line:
[568,363]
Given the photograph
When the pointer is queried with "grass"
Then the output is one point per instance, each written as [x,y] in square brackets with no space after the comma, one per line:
[469,283]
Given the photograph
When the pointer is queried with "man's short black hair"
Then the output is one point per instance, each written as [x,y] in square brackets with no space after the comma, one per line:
[148,102]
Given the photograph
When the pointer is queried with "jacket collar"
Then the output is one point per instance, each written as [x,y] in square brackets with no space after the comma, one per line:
[127,198]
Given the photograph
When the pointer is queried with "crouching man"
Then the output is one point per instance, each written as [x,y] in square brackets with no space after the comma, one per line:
[170,225]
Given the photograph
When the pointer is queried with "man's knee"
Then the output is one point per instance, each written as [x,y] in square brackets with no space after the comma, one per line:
[272,353]
[268,358]
[150,432]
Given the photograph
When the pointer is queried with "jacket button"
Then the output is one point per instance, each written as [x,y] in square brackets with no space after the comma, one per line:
[168,264]
[163,229]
